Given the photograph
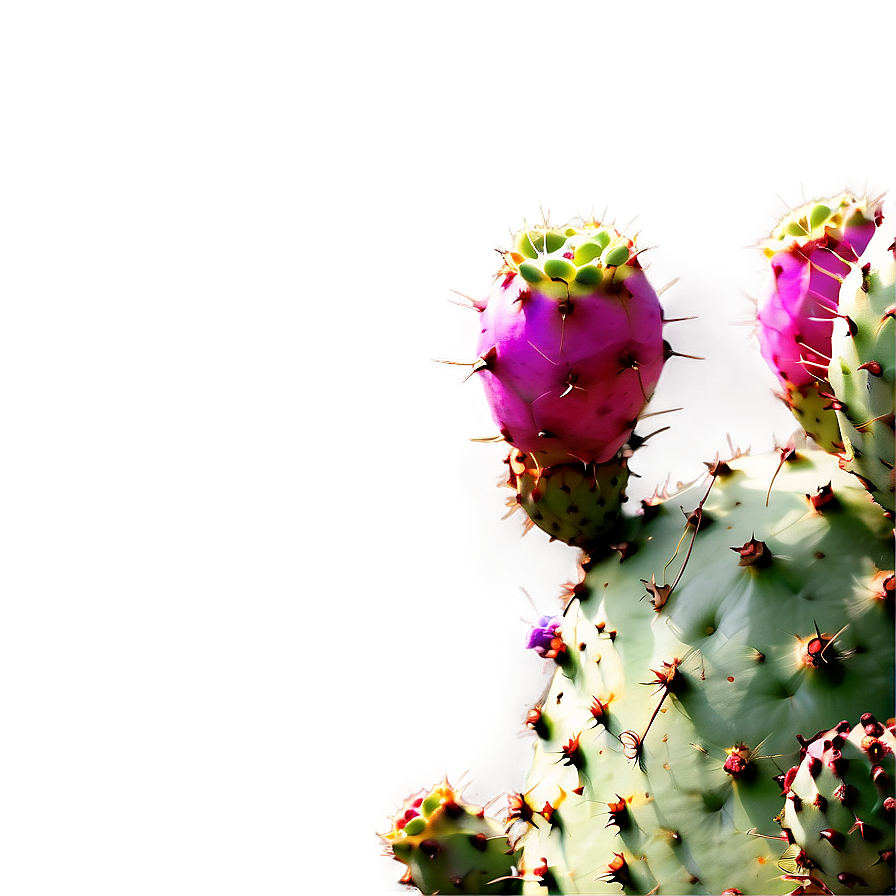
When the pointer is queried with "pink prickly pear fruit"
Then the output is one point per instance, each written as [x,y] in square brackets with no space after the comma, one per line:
[809,254]
[570,345]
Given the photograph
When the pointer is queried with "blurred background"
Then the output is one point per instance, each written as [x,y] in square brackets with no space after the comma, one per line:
[256,587]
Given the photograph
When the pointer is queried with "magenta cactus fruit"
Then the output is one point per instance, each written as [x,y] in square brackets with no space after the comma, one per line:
[809,255]
[570,346]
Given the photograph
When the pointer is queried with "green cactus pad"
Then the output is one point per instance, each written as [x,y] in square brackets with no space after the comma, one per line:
[814,409]
[560,269]
[863,377]
[451,846]
[575,503]
[729,627]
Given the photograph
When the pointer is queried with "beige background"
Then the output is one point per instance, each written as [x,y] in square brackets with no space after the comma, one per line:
[256,586]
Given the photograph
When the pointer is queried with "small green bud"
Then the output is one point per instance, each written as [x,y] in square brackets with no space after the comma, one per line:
[560,269]
[818,216]
[415,826]
[554,240]
[588,275]
[794,228]
[531,273]
[525,243]
[616,256]
[588,251]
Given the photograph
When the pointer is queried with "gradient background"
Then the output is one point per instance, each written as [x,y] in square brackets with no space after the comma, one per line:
[256,587]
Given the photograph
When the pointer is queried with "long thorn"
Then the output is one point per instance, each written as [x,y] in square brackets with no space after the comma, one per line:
[696,530]
[814,351]
[861,426]
[657,413]
[667,287]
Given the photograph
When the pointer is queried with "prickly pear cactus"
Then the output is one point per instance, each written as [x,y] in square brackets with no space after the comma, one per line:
[451,846]
[699,734]
[862,376]
[729,628]
[571,345]
[809,254]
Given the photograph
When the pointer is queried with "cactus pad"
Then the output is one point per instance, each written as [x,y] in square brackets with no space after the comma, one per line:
[728,628]
[863,378]
[575,503]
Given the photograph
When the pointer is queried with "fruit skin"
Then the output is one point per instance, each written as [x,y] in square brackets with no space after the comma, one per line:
[862,377]
[810,253]
[570,345]
[839,806]
[683,690]
[451,846]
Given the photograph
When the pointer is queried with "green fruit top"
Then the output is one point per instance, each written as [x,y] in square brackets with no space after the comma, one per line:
[571,260]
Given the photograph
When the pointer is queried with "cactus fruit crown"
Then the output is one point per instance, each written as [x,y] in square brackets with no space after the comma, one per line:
[824,223]
[569,261]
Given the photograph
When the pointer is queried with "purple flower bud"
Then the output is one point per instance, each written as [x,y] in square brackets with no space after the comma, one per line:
[541,638]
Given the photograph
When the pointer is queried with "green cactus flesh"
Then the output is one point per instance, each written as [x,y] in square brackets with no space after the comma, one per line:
[862,375]
[574,503]
[813,407]
[745,611]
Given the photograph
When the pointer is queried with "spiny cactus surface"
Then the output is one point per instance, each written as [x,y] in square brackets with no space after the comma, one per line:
[863,365]
[575,503]
[690,668]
